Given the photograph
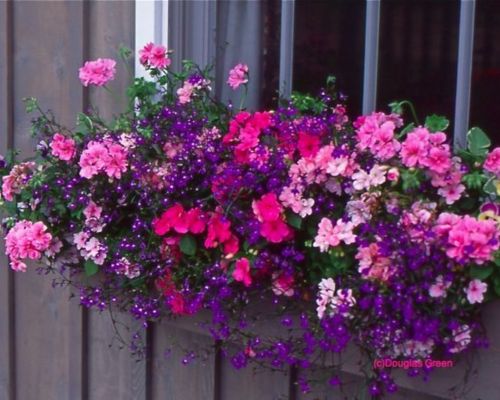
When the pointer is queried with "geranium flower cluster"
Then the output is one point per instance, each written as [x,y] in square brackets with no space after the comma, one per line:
[374,233]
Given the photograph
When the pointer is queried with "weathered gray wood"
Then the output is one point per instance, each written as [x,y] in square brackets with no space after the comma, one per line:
[7,388]
[47,44]
[111,25]
[111,365]
[171,380]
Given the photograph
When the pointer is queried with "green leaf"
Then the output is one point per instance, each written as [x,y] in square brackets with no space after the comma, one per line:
[30,104]
[396,107]
[436,123]
[90,267]
[410,179]
[478,142]
[406,129]
[482,272]
[466,156]
[490,187]
[124,52]
[474,180]
[294,220]
[188,245]
[136,282]
[496,284]
[496,260]
[84,123]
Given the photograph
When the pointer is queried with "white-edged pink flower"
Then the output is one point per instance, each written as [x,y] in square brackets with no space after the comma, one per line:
[283,284]
[439,288]
[475,291]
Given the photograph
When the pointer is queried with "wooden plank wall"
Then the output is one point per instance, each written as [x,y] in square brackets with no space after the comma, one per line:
[51,349]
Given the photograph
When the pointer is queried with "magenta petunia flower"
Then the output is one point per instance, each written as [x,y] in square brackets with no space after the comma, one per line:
[241,272]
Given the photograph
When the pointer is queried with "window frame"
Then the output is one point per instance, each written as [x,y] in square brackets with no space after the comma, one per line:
[161,20]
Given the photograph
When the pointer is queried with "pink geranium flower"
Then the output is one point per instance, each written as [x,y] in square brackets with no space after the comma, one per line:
[492,163]
[93,159]
[26,240]
[145,53]
[116,161]
[158,57]
[107,157]
[185,93]
[62,147]
[18,177]
[241,272]
[98,72]
[467,238]
[238,76]
[475,291]
[155,56]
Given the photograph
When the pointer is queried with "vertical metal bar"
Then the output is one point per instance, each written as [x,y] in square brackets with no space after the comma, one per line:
[286,47]
[372,30]
[464,71]
[158,22]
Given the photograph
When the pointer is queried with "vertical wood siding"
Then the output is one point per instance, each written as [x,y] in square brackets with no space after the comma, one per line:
[51,349]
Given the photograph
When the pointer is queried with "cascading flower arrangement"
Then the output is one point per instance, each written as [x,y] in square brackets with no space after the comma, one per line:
[372,232]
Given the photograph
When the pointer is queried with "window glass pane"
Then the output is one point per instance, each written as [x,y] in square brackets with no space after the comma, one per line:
[329,40]
[485,96]
[418,55]
[249,32]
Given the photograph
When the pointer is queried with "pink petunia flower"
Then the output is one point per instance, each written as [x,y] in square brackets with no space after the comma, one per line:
[62,147]
[218,231]
[238,76]
[241,272]
[308,145]
[275,231]
[267,208]
[475,291]
[195,220]
[98,72]
[172,218]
